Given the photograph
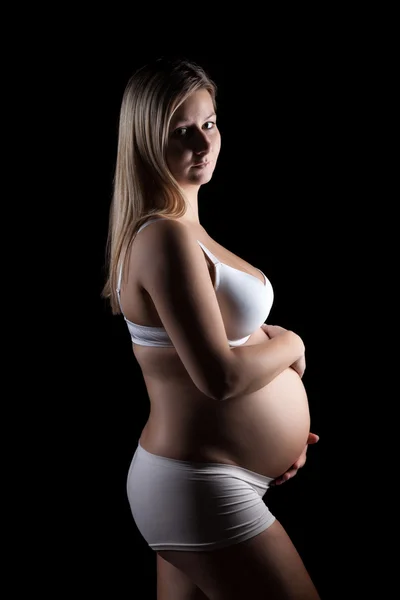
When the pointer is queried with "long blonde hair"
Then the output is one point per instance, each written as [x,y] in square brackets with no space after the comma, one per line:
[143,185]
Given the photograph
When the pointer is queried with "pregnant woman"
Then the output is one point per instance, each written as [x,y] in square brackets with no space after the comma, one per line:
[228,410]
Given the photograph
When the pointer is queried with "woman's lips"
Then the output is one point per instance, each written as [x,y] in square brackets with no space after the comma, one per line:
[201,165]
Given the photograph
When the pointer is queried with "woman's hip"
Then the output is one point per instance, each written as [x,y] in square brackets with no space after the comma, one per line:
[195,506]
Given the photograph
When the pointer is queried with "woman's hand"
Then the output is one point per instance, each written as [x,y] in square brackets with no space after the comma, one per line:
[298,464]
[299,366]
[272,331]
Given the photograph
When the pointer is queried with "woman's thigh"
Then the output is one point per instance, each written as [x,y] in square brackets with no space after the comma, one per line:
[265,566]
[173,584]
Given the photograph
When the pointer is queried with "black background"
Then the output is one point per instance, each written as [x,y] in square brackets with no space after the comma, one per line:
[290,183]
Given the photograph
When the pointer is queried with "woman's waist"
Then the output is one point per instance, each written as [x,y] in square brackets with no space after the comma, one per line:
[258,417]
[268,451]
[272,423]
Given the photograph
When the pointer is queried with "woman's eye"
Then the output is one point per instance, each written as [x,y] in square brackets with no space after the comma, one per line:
[186,131]
[181,131]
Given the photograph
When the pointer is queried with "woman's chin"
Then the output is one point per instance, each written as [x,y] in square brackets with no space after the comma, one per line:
[200,178]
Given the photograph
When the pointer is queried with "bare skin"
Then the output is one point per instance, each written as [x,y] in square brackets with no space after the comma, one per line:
[267,566]
[267,431]
[173,584]
[264,432]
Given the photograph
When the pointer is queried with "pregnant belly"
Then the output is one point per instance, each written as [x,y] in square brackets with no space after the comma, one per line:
[266,431]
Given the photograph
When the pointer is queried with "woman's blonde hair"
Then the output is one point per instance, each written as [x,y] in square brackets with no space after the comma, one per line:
[143,185]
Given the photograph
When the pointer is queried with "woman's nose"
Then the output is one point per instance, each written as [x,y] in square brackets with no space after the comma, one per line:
[201,143]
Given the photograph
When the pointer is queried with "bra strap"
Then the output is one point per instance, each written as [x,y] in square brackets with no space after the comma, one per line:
[210,255]
[151,220]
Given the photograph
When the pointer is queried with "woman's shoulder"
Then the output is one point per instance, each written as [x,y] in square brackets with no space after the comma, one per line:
[160,236]
[161,228]
[167,246]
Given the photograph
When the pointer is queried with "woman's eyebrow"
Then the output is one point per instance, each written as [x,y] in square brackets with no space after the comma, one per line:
[185,121]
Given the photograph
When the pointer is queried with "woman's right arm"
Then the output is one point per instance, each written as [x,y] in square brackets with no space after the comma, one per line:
[175,274]
[259,364]
[273,330]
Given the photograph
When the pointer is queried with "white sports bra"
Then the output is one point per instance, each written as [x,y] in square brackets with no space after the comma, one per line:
[245,303]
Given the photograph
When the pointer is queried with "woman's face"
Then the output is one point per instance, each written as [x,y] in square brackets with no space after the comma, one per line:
[194,140]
